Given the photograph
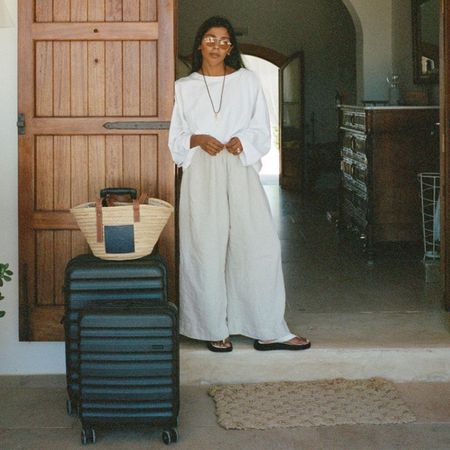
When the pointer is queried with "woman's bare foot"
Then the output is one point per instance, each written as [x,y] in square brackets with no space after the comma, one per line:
[297,340]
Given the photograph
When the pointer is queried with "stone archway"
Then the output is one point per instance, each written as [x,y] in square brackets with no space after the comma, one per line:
[266,53]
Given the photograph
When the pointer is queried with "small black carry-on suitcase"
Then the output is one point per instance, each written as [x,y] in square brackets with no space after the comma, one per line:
[129,368]
[90,280]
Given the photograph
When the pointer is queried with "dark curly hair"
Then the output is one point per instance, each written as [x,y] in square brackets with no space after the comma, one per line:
[233,60]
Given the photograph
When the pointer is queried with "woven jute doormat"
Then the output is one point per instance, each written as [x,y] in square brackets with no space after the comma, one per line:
[309,403]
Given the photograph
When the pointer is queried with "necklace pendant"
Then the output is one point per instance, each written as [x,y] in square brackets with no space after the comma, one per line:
[216,113]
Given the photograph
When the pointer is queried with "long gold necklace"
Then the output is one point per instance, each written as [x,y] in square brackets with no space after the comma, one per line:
[216,113]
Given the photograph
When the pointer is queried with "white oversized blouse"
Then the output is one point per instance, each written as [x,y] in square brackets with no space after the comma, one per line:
[243,114]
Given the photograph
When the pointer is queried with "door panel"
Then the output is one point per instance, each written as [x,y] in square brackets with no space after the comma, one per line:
[83,64]
[292,123]
[88,75]
[61,90]
[69,170]
[96,10]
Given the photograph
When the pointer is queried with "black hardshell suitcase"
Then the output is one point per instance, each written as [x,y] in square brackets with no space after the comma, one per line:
[91,280]
[129,368]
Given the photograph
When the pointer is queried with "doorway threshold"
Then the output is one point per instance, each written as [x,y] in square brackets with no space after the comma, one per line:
[333,355]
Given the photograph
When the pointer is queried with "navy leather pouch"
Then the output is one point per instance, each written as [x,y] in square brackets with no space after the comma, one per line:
[119,238]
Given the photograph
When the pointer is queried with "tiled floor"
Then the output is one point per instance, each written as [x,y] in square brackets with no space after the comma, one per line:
[335,299]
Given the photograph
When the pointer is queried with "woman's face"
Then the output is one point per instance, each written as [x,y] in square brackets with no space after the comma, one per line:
[215,46]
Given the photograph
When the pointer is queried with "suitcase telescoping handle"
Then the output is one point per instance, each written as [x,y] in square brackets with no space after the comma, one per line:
[119,191]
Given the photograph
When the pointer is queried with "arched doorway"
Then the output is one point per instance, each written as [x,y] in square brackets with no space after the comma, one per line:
[291,113]
[268,74]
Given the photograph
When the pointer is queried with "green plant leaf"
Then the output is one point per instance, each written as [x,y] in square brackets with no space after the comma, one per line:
[5,275]
[2,313]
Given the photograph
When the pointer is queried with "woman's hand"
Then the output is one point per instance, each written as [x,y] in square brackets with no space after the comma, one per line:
[234,146]
[208,143]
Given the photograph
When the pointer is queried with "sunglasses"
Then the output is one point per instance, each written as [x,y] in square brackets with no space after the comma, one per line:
[222,43]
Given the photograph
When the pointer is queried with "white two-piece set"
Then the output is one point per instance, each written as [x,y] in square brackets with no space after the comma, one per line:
[231,279]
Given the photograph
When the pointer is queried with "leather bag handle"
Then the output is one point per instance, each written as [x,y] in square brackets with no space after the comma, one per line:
[99,219]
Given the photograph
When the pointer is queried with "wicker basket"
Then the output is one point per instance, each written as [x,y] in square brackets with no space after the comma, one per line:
[105,227]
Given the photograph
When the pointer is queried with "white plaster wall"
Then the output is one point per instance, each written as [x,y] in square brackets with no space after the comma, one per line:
[15,357]
[375,17]
[402,43]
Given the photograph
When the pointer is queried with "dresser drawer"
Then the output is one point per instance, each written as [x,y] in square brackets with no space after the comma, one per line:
[357,198]
[355,172]
[354,213]
[353,184]
[354,119]
[360,217]
[354,146]
[360,201]
[360,175]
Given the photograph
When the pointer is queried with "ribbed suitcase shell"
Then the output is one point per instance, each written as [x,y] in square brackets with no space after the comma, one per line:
[129,365]
[93,281]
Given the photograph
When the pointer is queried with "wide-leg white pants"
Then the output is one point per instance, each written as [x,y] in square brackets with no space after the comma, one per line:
[231,279]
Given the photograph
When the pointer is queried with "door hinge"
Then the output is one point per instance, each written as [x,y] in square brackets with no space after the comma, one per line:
[139,125]
[21,123]
[24,302]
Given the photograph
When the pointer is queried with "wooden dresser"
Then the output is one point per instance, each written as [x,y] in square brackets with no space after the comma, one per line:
[383,149]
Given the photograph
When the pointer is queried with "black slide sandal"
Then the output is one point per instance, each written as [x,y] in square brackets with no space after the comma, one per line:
[257,345]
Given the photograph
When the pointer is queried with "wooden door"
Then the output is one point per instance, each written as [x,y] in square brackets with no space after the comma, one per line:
[445,144]
[292,139]
[84,65]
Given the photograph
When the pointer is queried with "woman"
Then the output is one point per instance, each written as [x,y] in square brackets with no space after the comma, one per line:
[231,281]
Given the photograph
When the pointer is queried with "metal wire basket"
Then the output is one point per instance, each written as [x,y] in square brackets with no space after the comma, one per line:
[429,195]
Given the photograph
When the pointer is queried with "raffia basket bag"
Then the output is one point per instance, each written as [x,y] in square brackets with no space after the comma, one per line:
[122,230]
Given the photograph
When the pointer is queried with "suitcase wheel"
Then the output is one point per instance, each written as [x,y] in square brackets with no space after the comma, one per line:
[88,435]
[169,436]
[70,410]
[69,407]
